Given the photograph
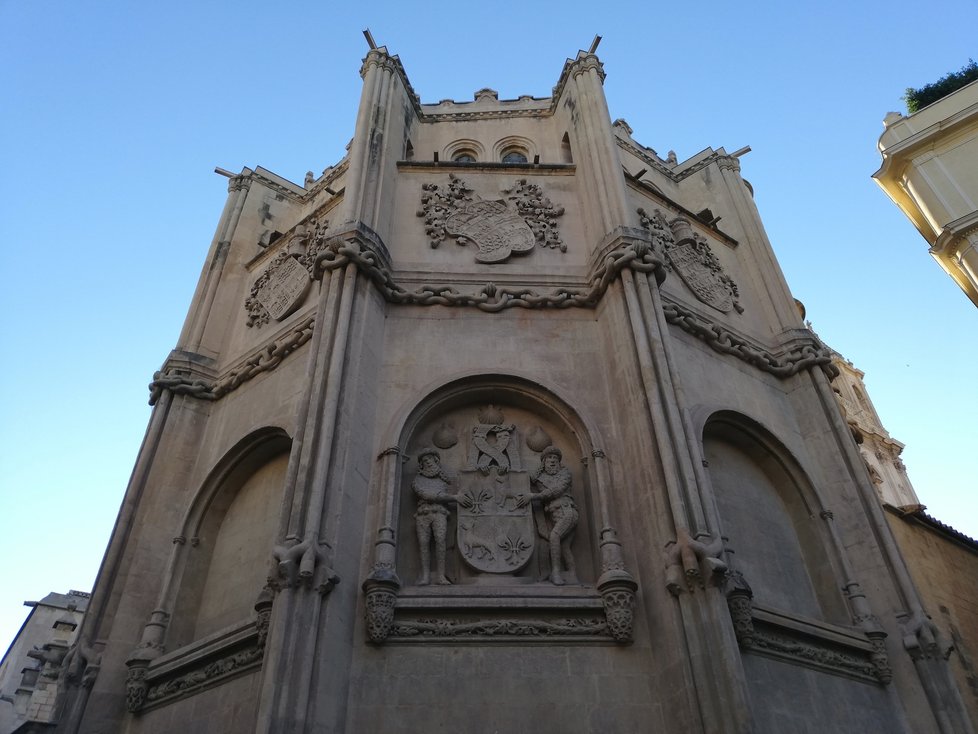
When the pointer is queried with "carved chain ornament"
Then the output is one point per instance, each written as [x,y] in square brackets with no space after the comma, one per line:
[640,256]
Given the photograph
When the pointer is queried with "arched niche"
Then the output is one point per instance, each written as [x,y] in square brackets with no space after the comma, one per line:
[566,154]
[509,574]
[227,538]
[455,421]
[770,516]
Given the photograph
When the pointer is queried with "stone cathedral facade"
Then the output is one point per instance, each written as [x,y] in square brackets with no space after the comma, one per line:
[503,423]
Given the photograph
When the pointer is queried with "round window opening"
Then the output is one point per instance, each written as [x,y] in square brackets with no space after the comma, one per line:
[514,156]
[464,157]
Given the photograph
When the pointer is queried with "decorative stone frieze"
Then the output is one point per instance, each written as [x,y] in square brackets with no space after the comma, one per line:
[338,250]
[522,629]
[847,652]
[206,675]
[268,358]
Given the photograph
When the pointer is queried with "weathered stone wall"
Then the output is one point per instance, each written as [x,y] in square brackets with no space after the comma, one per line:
[945,570]
[558,562]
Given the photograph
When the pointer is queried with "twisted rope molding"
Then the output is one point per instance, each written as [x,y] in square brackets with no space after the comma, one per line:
[636,255]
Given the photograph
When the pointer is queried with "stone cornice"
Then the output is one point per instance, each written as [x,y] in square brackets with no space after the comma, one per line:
[643,156]
[625,248]
[566,169]
[895,156]
[338,170]
[463,115]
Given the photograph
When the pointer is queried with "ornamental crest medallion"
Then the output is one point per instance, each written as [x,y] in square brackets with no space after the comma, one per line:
[282,286]
[498,228]
[495,229]
[700,270]
[278,291]
[690,255]
[495,532]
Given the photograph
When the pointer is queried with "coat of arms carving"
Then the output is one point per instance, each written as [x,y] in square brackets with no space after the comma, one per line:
[495,521]
[498,228]
[503,511]
[282,286]
[690,255]
[278,291]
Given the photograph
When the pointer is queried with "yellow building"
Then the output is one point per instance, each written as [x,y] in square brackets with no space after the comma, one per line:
[930,171]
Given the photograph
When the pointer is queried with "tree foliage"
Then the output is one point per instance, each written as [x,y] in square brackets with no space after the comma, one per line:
[917,99]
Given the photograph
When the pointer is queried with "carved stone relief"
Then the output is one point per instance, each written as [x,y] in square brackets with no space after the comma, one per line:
[282,286]
[503,515]
[690,256]
[497,530]
[498,228]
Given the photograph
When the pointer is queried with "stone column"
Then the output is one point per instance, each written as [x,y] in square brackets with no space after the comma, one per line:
[192,336]
[599,165]
[375,141]
[381,586]
[710,644]
[303,575]
[73,700]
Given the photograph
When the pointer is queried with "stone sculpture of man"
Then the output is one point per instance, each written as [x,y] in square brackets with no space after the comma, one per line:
[554,482]
[431,489]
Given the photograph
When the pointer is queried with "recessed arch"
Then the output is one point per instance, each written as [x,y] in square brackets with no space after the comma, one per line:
[448,418]
[465,147]
[514,143]
[226,538]
[441,393]
[772,519]
[566,154]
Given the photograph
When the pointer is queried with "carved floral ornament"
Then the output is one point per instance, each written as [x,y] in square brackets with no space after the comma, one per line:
[498,228]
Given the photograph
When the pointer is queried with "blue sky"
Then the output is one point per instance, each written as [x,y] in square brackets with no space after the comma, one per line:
[115,115]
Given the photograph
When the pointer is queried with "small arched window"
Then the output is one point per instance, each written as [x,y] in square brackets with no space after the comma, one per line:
[464,156]
[565,150]
[514,155]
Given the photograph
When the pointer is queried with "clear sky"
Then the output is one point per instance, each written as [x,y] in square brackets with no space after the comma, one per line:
[115,114]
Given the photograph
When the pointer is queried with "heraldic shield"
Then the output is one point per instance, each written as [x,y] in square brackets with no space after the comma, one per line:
[708,284]
[496,229]
[495,533]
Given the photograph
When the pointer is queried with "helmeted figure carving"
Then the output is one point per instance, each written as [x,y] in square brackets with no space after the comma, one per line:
[554,481]
[431,518]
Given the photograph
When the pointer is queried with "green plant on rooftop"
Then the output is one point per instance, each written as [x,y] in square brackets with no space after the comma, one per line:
[917,99]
